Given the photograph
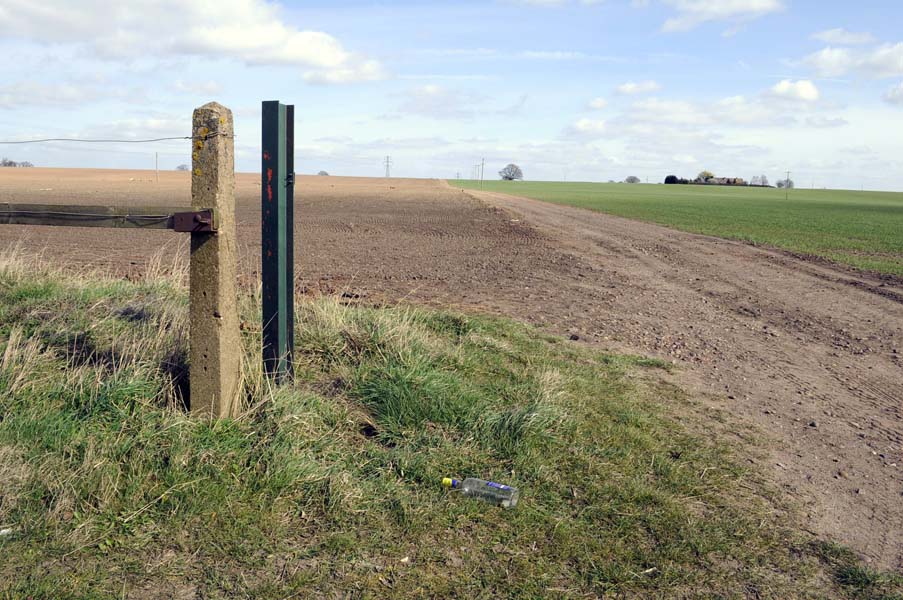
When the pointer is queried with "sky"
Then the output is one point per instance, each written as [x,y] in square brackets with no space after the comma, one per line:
[588,90]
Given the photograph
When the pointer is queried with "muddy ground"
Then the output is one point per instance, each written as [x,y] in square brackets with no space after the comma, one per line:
[806,351]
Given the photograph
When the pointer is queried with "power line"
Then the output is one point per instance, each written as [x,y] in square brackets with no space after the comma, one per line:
[96,141]
[114,150]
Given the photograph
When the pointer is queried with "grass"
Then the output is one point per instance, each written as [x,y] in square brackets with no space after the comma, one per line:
[859,229]
[331,486]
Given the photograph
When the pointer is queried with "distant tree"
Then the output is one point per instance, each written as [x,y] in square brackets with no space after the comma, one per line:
[785,183]
[671,179]
[705,176]
[183,167]
[763,180]
[511,172]
[756,180]
[323,174]
[25,164]
[632,179]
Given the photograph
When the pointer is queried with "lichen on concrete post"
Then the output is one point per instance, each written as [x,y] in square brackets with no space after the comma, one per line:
[215,345]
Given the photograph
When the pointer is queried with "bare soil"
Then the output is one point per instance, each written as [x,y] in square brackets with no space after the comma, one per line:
[806,351]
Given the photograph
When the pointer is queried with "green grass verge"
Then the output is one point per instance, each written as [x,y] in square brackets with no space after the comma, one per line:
[859,229]
[331,486]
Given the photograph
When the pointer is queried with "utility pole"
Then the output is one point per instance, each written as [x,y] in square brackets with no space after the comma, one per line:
[482,168]
[787,187]
[388,167]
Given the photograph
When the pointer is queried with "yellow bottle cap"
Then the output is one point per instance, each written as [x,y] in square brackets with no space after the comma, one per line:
[447,482]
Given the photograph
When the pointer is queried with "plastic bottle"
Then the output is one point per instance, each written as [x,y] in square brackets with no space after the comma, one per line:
[489,491]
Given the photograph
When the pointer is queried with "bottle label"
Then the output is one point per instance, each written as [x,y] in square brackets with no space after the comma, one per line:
[497,486]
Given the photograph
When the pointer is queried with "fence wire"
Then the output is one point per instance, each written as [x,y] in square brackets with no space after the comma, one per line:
[110,141]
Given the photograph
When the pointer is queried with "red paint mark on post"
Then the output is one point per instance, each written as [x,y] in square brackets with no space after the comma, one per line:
[270,185]
[266,155]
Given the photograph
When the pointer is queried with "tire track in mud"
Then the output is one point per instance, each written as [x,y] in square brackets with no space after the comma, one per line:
[806,351]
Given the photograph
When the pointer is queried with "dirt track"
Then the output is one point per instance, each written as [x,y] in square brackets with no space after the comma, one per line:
[808,352]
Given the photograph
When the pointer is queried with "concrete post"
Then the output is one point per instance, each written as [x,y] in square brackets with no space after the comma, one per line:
[215,345]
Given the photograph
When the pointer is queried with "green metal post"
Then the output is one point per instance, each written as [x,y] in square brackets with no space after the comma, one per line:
[276,268]
[290,231]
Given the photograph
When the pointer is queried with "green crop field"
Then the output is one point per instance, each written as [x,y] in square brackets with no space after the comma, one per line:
[860,229]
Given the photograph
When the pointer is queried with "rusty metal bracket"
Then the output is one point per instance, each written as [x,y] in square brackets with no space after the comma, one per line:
[200,221]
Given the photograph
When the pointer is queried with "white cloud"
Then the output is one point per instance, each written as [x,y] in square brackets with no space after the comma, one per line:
[786,104]
[830,62]
[251,31]
[880,62]
[803,90]
[544,3]
[443,77]
[198,88]
[553,3]
[553,55]
[843,37]
[823,122]
[675,112]
[885,61]
[695,12]
[539,2]
[632,88]
[26,93]
[370,70]
[438,102]
[586,128]
[493,54]
[895,95]
[598,103]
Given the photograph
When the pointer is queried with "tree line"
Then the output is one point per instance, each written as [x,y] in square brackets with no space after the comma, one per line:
[708,178]
[5,162]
